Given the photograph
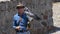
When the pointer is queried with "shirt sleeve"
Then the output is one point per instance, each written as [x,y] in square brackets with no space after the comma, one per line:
[14,23]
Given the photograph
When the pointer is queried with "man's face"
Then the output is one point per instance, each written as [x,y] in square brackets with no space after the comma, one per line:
[21,10]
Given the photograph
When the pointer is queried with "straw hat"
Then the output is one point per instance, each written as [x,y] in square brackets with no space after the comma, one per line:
[20,5]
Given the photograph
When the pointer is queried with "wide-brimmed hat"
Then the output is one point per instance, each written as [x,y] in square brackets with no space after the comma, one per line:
[20,5]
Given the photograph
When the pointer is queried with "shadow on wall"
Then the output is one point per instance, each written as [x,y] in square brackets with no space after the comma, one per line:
[55,29]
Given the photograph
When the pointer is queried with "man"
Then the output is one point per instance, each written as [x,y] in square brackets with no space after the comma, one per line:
[20,20]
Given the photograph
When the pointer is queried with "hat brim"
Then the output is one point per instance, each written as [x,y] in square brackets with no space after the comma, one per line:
[18,7]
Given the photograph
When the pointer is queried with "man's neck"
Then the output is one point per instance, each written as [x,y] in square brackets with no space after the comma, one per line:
[20,14]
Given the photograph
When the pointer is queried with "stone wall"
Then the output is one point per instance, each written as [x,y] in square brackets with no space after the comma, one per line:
[56,0]
[43,8]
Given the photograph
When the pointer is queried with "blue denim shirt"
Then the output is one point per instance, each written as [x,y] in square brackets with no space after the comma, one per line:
[23,22]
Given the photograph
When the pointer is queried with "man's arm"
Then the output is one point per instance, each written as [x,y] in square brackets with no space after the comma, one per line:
[15,26]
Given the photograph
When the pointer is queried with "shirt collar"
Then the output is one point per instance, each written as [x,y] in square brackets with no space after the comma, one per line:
[22,14]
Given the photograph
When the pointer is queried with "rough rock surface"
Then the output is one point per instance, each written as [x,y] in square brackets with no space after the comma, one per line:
[43,8]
